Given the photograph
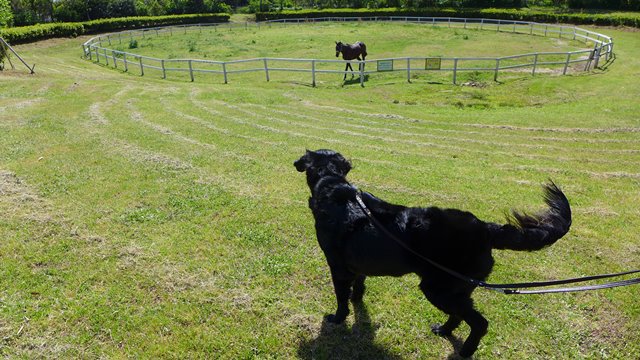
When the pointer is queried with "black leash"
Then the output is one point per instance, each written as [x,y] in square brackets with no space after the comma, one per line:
[508,289]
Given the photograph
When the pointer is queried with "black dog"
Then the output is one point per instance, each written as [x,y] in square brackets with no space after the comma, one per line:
[355,247]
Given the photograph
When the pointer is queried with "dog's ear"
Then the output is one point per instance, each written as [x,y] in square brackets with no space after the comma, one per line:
[303,163]
[341,165]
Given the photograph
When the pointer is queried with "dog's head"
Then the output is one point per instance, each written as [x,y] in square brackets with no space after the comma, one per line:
[322,163]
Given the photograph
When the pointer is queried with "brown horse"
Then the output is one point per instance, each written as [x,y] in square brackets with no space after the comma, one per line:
[350,52]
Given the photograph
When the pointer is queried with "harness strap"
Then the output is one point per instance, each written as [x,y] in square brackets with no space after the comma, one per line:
[507,289]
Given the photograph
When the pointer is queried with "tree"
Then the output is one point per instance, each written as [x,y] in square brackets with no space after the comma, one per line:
[6,15]
[29,12]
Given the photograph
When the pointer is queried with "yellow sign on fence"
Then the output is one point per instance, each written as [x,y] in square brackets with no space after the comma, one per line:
[432,63]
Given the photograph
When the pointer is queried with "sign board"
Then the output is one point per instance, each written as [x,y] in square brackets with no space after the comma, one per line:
[385,65]
[432,63]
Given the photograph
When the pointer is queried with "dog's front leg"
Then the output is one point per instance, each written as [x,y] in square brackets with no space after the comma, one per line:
[342,281]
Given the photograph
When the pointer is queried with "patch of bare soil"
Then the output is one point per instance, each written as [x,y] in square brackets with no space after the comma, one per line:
[17,199]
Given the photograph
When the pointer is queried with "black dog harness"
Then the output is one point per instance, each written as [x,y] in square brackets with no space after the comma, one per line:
[508,289]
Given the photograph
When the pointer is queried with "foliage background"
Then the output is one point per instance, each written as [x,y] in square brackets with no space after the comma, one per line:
[6,15]
[28,12]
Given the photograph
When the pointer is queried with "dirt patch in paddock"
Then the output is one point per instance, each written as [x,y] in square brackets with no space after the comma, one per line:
[17,199]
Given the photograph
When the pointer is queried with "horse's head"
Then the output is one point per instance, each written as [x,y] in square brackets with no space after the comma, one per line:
[338,48]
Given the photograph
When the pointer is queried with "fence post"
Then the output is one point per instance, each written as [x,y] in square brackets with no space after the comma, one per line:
[266,68]
[106,57]
[455,70]
[190,70]
[566,64]
[124,59]
[224,71]
[141,66]
[313,73]
[361,68]
[408,70]
[535,64]
[164,71]
[596,55]
[495,74]
[115,62]
[97,56]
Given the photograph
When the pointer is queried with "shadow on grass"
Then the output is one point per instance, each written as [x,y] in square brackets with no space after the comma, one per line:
[354,80]
[340,342]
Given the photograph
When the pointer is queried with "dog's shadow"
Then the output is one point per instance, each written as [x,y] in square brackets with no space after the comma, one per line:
[340,342]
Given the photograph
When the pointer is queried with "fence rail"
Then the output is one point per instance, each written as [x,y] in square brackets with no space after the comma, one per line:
[98,49]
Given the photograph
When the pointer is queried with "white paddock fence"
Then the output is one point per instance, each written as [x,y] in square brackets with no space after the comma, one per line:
[98,49]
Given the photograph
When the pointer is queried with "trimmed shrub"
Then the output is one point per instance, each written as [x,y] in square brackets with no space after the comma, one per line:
[136,22]
[19,35]
[605,19]
[25,34]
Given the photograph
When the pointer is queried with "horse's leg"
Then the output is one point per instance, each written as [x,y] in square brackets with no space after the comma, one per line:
[347,67]
[363,58]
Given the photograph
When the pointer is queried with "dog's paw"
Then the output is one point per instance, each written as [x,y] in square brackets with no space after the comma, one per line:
[466,354]
[440,330]
[333,319]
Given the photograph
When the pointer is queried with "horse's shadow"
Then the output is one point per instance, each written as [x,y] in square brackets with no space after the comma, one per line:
[339,342]
[354,80]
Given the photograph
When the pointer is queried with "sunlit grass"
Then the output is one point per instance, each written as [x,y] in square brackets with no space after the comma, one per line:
[162,218]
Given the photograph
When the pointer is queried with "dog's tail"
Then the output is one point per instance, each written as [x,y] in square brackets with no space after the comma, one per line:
[533,232]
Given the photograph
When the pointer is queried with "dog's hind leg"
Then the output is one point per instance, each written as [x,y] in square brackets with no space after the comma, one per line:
[447,328]
[459,306]
[479,326]
[358,289]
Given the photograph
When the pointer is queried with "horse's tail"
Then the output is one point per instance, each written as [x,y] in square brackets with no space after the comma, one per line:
[364,50]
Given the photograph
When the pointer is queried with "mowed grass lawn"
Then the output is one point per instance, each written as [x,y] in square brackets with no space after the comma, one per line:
[150,218]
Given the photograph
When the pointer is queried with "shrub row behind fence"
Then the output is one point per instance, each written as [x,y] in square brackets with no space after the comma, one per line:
[604,19]
[26,34]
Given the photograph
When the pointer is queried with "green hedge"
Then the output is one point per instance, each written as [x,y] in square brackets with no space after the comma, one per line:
[105,25]
[25,34]
[19,35]
[607,19]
